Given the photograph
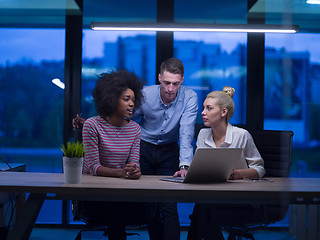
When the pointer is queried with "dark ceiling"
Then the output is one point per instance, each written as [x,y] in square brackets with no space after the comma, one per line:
[48,13]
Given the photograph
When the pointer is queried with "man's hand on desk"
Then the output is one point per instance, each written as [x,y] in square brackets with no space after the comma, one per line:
[132,171]
[180,173]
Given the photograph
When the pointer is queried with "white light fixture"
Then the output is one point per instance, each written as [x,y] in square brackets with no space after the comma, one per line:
[313,1]
[194,27]
[57,82]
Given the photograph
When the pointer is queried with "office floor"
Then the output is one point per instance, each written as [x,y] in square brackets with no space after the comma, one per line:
[66,234]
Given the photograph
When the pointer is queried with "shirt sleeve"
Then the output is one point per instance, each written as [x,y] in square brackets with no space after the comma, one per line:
[91,148]
[253,157]
[134,156]
[186,132]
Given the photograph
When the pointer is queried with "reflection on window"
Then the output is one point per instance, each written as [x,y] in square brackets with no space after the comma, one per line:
[292,102]
[31,106]
[108,50]
[212,61]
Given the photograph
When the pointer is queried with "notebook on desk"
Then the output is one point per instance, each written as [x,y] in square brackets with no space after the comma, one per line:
[210,165]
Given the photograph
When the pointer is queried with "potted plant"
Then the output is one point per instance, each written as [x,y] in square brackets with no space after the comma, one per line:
[73,153]
[73,149]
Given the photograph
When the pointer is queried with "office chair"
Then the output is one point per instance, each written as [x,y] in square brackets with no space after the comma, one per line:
[95,220]
[275,148]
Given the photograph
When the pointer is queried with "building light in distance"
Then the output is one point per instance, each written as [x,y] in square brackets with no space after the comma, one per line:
[58,83]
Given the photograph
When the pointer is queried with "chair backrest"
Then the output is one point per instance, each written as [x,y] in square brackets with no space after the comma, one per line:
[275,148]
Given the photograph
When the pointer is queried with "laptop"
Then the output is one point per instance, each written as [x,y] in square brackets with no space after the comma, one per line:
[210,165]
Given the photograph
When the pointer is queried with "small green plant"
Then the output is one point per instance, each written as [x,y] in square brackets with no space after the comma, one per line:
[73,149]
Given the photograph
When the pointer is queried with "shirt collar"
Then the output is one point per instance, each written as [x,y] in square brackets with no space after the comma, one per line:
[228,138]
[159,95]
[209,140]
[175,100]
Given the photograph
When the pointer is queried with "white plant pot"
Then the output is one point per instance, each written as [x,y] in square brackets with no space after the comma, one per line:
[72,169]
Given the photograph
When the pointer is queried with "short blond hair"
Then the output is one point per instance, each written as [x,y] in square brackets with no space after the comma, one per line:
[224,99]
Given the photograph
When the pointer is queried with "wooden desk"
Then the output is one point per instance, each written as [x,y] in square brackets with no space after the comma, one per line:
[149,188]
[16,167]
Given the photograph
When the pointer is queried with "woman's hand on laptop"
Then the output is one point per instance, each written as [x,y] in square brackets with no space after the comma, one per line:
[235,174]
[243,173]
[180,173]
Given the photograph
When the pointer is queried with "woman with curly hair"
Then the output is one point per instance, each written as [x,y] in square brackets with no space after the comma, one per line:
[112,143]
[111,139]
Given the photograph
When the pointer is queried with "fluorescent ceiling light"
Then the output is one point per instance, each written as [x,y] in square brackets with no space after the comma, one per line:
[193,27]
[313,1]
[57,82]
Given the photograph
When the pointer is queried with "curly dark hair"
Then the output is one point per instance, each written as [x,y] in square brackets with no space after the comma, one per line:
[109,87]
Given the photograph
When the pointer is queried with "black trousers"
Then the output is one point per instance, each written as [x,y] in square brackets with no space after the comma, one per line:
[115,215]
[207,219]
[162,218]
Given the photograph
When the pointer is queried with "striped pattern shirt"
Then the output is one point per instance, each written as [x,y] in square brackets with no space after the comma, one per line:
[109,146]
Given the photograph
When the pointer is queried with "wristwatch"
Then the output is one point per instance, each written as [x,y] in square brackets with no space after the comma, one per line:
[185,167]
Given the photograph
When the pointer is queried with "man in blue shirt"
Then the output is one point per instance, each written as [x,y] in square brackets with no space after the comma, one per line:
[167,116]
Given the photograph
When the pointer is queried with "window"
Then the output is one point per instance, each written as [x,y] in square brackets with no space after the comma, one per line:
[104,51]
[31,106]
[212,61]
[292,102]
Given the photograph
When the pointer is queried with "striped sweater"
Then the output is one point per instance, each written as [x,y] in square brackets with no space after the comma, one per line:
[109,146]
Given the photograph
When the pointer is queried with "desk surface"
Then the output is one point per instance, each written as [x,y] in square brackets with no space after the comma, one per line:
[150,188]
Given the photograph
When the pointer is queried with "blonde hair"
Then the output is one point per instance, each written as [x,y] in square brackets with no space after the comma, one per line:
[224,99]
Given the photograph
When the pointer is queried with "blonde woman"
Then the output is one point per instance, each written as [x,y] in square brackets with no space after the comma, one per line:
[218,109]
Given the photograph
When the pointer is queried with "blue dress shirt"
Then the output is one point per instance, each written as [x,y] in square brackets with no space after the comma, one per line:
[163,124]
